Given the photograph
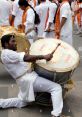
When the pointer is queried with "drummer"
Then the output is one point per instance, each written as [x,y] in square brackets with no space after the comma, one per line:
[17,64]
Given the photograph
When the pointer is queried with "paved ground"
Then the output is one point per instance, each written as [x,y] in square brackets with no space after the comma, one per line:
[72,102]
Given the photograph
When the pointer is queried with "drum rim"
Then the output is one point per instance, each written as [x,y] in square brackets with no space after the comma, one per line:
[60,69]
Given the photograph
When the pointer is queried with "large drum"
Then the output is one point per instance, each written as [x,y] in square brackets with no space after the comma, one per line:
[59,69]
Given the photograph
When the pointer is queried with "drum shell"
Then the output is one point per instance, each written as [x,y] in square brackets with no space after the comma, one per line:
[58,77]
[61,78]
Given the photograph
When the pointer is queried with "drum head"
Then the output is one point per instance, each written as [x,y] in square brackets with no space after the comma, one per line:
[65,58]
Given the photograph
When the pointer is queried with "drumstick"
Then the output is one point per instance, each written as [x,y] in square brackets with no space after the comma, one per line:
[55,48]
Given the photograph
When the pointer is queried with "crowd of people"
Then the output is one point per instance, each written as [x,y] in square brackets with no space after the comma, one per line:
[37,19]
[43,18]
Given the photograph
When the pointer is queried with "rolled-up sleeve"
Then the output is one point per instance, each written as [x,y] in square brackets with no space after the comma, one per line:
[14,57]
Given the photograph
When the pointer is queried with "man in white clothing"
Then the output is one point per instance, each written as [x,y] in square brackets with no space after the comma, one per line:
[5,11]
[16,16]
[46,11]
[65,29]
[49,29]
[17,64]
[29,21]
[42,9]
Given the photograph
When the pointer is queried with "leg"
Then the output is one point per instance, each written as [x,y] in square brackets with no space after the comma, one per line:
[44,85]
[12,102]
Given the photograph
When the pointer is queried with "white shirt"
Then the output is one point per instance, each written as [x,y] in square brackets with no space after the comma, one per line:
[5,11]
[52,11]
[29,24]
[17,12]
[14,63]
[42,11]
[65,11]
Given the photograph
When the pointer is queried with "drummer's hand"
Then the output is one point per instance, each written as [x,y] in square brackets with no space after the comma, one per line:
[48,57]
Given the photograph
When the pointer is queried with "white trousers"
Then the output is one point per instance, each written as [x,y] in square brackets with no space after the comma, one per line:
[40,85]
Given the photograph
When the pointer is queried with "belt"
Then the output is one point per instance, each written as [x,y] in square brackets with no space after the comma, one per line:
[28,71]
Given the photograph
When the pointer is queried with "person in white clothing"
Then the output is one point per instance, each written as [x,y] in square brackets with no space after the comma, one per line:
[65,29]
[42,9]
[16,16]
[5,11]
[49,30]
[29,21]
[27,79]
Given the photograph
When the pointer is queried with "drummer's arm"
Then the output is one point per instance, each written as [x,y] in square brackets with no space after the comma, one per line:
[33,58]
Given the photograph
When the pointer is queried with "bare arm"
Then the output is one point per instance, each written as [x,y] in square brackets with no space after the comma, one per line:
[62,22]
[61,25]
[33,58]
[11,20]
